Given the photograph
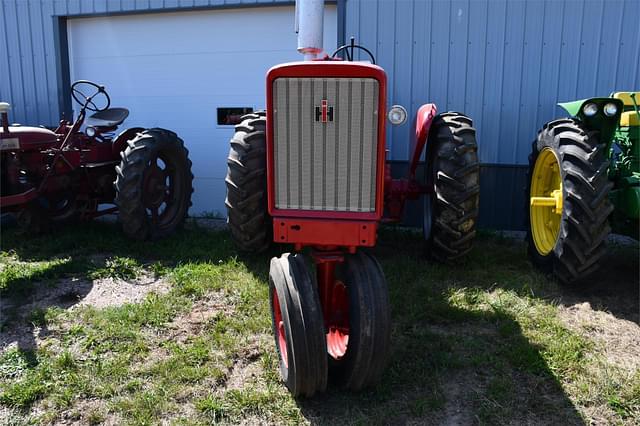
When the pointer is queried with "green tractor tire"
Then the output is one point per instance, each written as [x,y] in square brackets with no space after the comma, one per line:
[568,200]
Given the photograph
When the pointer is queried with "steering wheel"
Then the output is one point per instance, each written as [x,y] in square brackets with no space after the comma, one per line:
[349,50]
[87,102]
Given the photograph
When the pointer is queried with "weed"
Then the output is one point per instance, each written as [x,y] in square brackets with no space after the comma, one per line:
[117,267]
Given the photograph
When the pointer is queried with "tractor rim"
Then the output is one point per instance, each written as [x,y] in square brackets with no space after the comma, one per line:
[338,323]
[280,331]
[161,190]
[545,201]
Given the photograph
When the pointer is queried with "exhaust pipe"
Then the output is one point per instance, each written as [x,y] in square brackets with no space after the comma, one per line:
[309,26]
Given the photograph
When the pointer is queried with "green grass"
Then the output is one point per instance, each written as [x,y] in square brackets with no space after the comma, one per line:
[16,273]
[484,334]
[117,267]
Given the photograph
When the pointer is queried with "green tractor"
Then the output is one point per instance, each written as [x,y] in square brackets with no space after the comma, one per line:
[584,182]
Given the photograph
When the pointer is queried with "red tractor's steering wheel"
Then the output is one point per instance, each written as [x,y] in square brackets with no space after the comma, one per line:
[87,102]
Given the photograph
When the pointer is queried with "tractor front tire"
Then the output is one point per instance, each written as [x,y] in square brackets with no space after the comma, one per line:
[153,185]
[247,216]
[571,245]
[298,326]
[33,219]
[451,211]
[368,346]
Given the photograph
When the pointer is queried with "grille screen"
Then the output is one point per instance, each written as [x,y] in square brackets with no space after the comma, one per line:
[325,143]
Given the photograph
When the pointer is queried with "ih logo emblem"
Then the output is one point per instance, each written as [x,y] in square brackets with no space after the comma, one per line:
[324,112]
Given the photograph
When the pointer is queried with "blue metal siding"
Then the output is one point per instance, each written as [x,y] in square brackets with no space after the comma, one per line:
[28,59]
[505,63]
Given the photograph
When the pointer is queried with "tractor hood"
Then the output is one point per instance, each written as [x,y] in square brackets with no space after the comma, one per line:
[30,137]
[598,120]
[574,108]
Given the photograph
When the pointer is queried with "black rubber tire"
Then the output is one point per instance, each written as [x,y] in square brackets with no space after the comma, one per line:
[247,215]
[37,217]
[368,348]
[306,369]
[68,214]
[584,224]
[454,171]
[129,184]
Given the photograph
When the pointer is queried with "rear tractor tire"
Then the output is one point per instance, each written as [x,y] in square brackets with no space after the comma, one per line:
[249,222]
[451,211]
[153,185]
[568,200]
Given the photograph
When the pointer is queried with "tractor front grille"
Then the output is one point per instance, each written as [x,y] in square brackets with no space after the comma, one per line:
[325,136]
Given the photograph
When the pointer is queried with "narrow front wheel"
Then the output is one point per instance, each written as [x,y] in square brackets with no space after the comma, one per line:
[359,346]
[298,326]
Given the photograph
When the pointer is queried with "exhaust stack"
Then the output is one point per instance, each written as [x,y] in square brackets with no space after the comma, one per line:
[309,27]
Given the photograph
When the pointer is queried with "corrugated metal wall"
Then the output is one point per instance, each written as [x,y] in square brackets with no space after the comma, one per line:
[28,57]
[505,63]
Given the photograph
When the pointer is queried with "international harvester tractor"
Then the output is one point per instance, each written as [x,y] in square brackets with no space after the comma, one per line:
[311,172]
[51,177]
[584,182]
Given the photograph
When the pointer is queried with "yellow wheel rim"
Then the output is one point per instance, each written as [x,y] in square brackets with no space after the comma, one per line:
[545,206]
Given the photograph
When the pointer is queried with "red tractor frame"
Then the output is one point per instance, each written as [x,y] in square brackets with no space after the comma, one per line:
[331,316]
[64,175]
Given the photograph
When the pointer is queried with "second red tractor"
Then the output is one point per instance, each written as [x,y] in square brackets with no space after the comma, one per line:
[68,174]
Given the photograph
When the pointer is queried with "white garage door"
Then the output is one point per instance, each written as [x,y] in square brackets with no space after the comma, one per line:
[174,70]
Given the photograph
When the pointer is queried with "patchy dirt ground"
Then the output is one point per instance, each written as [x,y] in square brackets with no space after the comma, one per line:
[23,326]
[618,339]
[606,310]
[195,346]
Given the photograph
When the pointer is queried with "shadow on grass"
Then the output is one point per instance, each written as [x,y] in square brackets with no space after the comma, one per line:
[193,244]
[615,288]
[54,270]
[450,362]
[27,297]
[454,364]
[455,373]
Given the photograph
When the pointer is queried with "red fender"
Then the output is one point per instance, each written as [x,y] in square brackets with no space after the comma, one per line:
[424,118]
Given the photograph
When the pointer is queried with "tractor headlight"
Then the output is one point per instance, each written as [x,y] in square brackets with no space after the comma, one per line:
[90,131]
[590,110]
[610,109]
[397,115]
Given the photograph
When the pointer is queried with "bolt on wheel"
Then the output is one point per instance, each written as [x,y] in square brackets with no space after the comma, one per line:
[338,324]
[546,201]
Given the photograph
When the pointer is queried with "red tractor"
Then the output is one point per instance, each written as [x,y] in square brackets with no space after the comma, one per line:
[311,172]
[64,175]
